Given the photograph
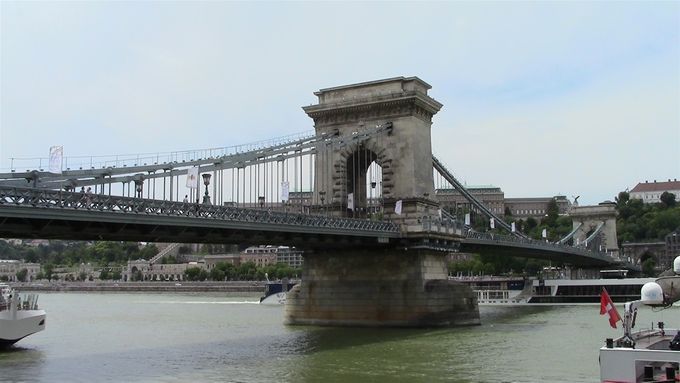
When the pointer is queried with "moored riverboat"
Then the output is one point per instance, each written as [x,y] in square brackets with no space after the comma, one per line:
[19,316]
[513,291]
[275,292]
[649,354]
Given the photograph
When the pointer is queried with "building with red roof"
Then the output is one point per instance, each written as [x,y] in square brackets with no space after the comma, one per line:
[650,192]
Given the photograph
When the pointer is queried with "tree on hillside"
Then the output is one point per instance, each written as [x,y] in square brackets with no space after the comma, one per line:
[552,212]
[48,269]
[21,275]
[622,199]
[668,199]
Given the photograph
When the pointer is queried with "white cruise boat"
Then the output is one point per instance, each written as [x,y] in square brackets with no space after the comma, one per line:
[514,291]
[649,354]
[19,316]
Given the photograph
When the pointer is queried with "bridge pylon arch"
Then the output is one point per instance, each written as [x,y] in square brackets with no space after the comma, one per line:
[405,154]
[596,223]
[397,285]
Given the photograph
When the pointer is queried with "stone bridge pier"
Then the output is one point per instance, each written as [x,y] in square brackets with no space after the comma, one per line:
[404,288]
[393,285]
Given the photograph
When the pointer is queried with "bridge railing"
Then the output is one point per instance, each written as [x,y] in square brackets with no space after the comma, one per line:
[526,241]
[441,224]
[54,199]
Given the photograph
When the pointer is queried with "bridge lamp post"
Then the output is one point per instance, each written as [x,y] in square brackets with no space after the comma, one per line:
[206,182]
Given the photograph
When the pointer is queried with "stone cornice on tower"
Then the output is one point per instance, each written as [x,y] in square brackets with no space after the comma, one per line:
[395,97]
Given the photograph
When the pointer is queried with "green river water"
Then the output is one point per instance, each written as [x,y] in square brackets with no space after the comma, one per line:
[108,337]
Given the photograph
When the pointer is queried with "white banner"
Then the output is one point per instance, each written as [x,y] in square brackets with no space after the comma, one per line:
[440,213]
[192,178]
[397,207]
[545,233]
[512,226]
[285,191]
[56,155]
[467,219]
[350,201]
[492,223]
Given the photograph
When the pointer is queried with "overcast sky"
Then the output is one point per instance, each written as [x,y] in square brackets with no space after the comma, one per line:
[540,98]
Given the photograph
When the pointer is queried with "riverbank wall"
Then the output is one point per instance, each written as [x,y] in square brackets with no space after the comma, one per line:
[172,287]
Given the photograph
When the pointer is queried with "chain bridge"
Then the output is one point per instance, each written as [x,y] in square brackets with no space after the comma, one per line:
[358,195]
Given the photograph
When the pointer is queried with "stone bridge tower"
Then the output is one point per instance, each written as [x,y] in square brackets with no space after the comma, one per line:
[391,285]
[587,219]
[405,155]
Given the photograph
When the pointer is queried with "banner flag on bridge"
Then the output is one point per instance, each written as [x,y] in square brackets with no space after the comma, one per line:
[467,219]
[350,201]
[544,234]
[397,208]
[492,223]
[512,226]
[285,191]
[192,178]
[56,156]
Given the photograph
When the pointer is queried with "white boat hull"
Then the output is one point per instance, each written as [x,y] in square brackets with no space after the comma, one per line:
[18,325]
[627,364]
[274,299]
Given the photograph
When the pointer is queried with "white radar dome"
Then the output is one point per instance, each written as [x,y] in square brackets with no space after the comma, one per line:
[651,294]
[676,265]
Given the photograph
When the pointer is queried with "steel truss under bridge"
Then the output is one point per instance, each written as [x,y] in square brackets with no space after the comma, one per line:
[43,208]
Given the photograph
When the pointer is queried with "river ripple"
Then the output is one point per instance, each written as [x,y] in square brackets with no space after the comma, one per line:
[109,337]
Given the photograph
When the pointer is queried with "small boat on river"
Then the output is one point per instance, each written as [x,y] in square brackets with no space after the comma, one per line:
[275,292]
[649,354]
[19,316]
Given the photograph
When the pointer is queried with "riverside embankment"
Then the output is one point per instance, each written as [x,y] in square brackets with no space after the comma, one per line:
[175,287]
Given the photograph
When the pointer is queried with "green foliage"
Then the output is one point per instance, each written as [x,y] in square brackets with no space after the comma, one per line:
[638,222]
[195,274]
[531,223]
[169,259]
[496,265]
[21,275]
[552,212]
[247,271]
[66,253]
[48,270]
[217,274]
[668,199]
[648,267]
[8,251]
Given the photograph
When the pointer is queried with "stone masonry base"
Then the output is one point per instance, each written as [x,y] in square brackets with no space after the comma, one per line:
[392,288]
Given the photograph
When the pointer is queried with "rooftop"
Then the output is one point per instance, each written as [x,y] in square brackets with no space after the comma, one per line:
[656,186]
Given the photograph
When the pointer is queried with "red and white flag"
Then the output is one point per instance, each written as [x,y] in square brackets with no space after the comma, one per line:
[607,306]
